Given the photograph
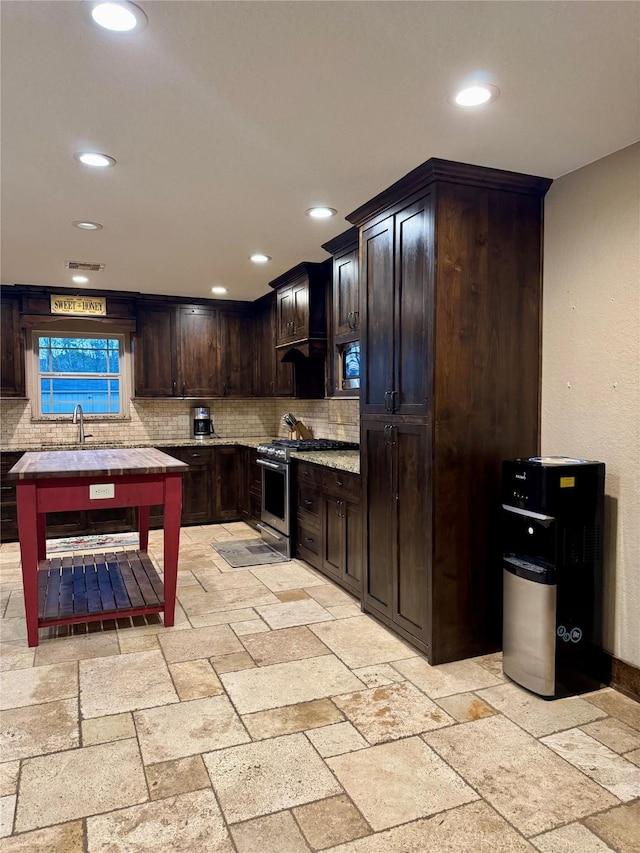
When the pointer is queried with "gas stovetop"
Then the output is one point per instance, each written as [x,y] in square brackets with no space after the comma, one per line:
[280,448]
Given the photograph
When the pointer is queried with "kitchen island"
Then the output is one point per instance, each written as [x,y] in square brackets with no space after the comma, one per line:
[87,588]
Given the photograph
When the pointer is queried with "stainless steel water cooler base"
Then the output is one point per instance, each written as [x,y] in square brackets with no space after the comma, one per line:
[529,633]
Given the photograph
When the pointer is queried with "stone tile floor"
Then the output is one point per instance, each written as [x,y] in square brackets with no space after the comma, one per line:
[276,718]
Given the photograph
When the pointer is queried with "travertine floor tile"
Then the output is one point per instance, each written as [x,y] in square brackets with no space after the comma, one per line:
[8,777]
[224,617]
[199,643]
[288,683]
[7,811]
[65,838]
[124,683]
[336,739]
[617,705]
[291,595]
[38,729]
[286,614]
[536,715]
[612,733]
[77,648]
[232,663]
[195,679]
[473,828]
[573,838]
[292,718]
[492,663]
[284,645]
[597,761]
[268,776]
[175,731]
[197,603]
[39,684]
[520,777]
[13,632]
[137,643]
[619,827]
[69,785]
[634,756]
[183,824]
[14,658]
[398,782]
[465,707]
[330,822]
[106,729]
[215,581]
[447,679]
[361,641]
[180,776]
[276,833]
[253,626]
[391,712]
[329,595]
[378,675]
[344,611]
[283,576]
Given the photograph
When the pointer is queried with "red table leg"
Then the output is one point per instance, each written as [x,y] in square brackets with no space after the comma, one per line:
[42,536]
[172,514]
[143,526]
[29,533]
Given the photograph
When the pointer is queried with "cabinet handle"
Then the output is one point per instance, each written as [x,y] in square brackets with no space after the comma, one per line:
[184,389]
[309,539]
[394,400]
[387,401]
[350,319]
[356,319]
[173,386]
[307,502]
[340,483]
[224,389]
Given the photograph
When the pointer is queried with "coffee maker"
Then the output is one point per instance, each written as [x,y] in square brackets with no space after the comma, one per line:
[201,423]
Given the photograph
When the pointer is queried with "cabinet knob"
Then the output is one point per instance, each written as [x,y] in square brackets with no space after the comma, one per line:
[309,539]
[307,502]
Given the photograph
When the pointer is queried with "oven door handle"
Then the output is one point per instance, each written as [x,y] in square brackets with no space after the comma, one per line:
[269,532]
[275,466]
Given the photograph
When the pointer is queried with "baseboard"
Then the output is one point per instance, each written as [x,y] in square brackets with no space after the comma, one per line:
[624,677]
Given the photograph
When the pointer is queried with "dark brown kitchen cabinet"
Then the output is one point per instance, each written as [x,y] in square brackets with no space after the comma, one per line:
[8,507]
[345,307]
[227,484]
[301,308]
[450,294]
[238,349]
[155,364]
[11,348]
[273,378]
[329,523]
[197,486]
[198,372]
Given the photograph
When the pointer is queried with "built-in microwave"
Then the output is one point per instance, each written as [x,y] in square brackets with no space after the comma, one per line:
[349,365]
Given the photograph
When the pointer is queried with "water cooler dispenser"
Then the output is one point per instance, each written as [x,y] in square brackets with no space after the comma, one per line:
[552,573]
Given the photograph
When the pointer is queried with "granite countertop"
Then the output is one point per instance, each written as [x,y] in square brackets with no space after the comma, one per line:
[342,460]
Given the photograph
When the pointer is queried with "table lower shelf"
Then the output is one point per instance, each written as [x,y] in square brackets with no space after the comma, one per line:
[91,587]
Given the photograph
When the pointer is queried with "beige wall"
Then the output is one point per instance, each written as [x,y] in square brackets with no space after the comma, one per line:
[591,361]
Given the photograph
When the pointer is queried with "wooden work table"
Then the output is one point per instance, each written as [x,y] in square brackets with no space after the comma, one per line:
[90,587]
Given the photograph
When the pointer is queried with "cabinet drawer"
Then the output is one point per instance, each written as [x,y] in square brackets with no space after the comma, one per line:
[309,546]
[309,502]
[340,483]
[308,473]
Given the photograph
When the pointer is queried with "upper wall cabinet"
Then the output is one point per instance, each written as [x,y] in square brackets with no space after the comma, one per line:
[273,378]
[301,309]
[12,350]
[345,315]
[192,351]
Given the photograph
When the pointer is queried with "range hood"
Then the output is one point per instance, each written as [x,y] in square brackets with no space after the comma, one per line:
[301,330]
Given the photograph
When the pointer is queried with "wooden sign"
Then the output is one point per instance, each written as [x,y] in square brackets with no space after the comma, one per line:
[79,306]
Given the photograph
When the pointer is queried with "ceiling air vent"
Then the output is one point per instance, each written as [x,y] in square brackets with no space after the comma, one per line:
[80,265]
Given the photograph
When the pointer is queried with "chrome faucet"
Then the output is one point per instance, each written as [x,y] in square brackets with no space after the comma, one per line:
[78,418]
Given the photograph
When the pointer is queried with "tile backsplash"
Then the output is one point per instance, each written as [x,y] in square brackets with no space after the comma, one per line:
[166,420]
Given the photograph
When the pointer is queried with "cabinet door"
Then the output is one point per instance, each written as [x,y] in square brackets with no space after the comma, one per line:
[237,354]
[412,528]
[154,351]
[196,486]
[198,353]
[8,507]
[352,568]
[12,350]
[379,509]
[345,295]
[332,540]
[265,363]
[413,309]
[377,362]
[228,484]
[285,321]
[300,305]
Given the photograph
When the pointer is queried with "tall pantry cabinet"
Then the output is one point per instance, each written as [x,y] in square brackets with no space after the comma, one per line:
[450,309]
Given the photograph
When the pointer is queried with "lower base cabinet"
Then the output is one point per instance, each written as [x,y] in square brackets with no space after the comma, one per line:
[329,523]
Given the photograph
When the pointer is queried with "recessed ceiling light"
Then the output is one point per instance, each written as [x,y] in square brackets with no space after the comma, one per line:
[259,258]
[476,95]
[320,212]
[86,225]
[93,159]
[80,279]
[219,290]
[120,16]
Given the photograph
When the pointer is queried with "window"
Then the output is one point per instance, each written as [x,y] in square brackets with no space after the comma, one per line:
[80,367]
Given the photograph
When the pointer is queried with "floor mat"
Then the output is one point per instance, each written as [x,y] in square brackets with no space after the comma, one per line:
[247,552]
[106,541]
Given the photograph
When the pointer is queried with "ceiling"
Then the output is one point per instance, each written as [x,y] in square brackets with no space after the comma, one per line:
[229,119]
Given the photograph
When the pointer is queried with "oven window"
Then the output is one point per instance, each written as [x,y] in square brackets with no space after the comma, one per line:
[274,492]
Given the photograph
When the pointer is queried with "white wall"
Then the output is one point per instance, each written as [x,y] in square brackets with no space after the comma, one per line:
[591,361]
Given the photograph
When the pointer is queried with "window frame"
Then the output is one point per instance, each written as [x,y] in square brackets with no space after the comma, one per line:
[82,329]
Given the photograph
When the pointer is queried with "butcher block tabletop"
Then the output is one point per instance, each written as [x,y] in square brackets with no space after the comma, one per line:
[82,463]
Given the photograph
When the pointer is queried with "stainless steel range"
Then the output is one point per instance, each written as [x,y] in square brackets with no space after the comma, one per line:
[276,513]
